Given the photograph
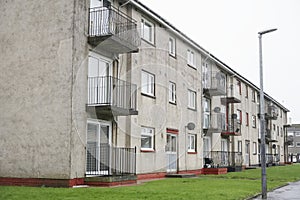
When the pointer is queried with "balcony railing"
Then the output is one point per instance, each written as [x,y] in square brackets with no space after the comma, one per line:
[108,161]
[233,127]
[233,95]
[223,158]
[271,136]
[271,159]
[113,94]
[216,85]
[217,123]
[109,21]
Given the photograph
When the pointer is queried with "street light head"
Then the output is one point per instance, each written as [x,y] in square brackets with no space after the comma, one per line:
[267,31]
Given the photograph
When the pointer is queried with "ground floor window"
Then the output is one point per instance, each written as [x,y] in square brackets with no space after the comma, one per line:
[147,138]
[191,143]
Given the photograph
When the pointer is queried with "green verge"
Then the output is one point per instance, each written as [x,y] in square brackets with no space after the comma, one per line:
[235,185]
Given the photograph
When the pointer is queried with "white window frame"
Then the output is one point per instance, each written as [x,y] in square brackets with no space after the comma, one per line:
[254,121]
[297,133]
[149,133]
[297,144]
[206,113]
[191,143]
[172,92]
[254,148]
[192,99]
[172,46]
[240,146]
[146,34]
[148,83]
[191,58]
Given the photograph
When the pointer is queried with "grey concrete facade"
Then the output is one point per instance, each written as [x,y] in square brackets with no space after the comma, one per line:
[45,55]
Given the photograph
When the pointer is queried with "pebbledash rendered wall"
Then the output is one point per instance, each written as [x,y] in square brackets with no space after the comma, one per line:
[43,76]
[156,112]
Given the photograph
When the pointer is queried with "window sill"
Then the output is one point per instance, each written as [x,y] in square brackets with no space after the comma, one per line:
[148,42]
[193,109]
[148,95]
[147,150]
[192,152]
[192,66]
[172,55]
[172,103]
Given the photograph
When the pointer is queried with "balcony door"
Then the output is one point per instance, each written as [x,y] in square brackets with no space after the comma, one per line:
[99,83]
[100,23]
[98,148]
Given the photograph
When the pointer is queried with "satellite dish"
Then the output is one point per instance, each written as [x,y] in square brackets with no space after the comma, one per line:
[217,109]
[191,126]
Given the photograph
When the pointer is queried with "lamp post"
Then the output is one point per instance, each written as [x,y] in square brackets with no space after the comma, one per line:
[262,119]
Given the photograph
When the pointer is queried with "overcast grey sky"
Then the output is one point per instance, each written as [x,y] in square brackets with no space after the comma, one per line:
[228,29]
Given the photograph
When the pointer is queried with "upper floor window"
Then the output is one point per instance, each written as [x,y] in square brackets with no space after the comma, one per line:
[239,116]
[253,95]
[246,91]
[172,92]
[191,99]
[191,60]
[297,133]
[172,46]
[206,113]
[147,31]
[247,119]
[253,121]
[148,82]
[239,85]
[205,74]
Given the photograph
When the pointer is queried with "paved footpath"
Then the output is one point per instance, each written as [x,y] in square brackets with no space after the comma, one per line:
[290,192]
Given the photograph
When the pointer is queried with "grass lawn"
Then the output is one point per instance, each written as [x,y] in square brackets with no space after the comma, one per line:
[235,185]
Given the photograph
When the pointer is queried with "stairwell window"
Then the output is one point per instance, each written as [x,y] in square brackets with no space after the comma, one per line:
[147,31]
[191,99]
[191,61]
[172,46]
[172,92]
[253,121]
[148,83]
[147,139]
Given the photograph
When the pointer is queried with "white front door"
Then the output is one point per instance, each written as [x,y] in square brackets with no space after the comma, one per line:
[171,151]
[247,153]
[224,152]
[98,147]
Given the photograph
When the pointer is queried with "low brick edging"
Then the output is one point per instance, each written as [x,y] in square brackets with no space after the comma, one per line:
[216,171]
[38,182]
[151,175]
[111,184]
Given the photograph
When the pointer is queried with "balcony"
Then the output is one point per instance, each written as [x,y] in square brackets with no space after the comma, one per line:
[219,159]
[271,137]
[289,140]
[217,85]
[271,159]
[233,128]
[112,30]
[109,96]
[217,123]
[110,161]
[233,95]
[271,112]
